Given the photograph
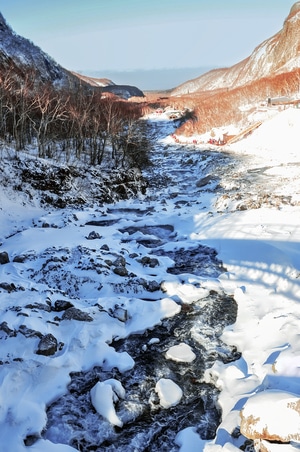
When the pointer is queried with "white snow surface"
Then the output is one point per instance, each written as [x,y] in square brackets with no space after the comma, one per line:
[263,408]
[181,353]
[260,249]
[103,395]
[169,392]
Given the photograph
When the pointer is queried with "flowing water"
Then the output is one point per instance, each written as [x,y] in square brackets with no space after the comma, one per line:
[175,180]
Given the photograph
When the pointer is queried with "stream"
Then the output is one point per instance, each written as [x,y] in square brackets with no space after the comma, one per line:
[180,182]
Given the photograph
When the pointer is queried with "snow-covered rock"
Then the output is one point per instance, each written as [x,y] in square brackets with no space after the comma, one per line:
[181,353]
[169,393]
[272,415]
[104,395]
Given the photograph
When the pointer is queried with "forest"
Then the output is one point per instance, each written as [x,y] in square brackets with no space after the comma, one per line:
[71,122]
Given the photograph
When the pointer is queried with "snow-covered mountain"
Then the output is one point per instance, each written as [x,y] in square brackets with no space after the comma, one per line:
[278,54]
[20,55]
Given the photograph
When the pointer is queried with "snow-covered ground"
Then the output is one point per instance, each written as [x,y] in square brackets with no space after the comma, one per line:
[248,211]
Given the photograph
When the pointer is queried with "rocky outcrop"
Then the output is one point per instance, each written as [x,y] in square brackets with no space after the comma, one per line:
[278,54]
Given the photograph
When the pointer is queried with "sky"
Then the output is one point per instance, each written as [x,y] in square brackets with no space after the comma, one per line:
[126,35]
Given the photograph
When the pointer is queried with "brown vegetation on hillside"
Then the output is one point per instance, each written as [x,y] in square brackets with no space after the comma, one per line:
[223,107]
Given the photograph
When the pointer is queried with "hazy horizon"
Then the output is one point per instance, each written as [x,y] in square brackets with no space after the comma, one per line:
[150,79]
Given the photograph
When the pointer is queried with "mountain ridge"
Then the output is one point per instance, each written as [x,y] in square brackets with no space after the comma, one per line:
[275,55]
[18,55]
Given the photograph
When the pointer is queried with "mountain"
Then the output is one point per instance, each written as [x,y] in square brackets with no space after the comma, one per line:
[276,55]
[19,55]
[107,86]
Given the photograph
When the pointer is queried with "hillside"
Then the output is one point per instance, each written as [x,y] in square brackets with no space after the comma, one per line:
[20,55]
[276,55]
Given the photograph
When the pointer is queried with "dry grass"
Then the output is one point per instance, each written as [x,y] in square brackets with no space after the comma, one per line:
[219,108]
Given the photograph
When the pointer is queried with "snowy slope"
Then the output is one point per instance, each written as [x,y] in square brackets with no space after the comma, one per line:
[278,54]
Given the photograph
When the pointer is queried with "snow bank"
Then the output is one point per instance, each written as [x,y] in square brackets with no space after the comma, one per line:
[277,140]
[273,416]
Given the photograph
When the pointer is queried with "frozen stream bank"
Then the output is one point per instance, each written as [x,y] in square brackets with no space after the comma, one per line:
[119,322]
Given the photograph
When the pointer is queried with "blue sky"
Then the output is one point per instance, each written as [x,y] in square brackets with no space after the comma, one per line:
[146,34]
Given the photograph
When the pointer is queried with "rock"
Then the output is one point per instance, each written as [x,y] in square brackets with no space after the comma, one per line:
[76,314]
[62,305]
[93,235]
[28,332]
[119,313]
[4,259]
[147,261]
[204,181]
[9,287]
[120,261]
[121,271]
[272,415]
[5,328]
[19,259]
[39,307]
[47,345]
[152,286]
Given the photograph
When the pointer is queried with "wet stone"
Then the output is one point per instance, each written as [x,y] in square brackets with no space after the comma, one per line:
[201,260]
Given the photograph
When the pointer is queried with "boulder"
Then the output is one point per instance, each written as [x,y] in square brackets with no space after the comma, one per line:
[4,259]
[76,314]
[62,305]
[47,345]
[9,287]
[272,415]
[93,235]
[121,271]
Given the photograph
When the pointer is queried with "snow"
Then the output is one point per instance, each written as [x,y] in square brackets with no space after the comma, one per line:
[260,249]
[104,395]
[169,392]
[188,440]
[261,413]
[181,353]
[276,141]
